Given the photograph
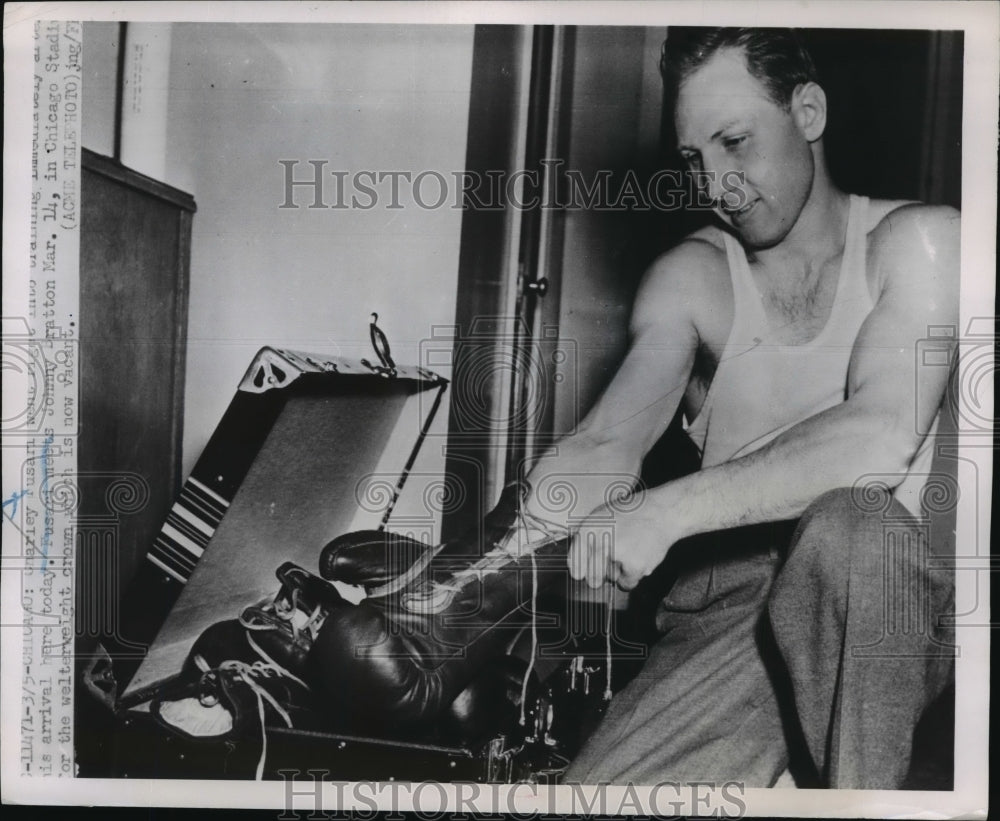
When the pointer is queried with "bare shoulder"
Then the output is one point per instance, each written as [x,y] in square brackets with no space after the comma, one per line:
[693,267]
[896,221]
[688,283]
[909,237]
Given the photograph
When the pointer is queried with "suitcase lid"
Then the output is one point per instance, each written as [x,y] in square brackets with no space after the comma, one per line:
[311,447]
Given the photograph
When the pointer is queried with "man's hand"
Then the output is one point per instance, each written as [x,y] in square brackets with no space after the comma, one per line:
[621,542]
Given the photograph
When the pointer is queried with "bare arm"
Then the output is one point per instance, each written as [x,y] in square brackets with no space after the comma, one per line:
[874,430]
[602,458]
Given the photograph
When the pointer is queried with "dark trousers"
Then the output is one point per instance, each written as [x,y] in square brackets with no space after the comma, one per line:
[825,647]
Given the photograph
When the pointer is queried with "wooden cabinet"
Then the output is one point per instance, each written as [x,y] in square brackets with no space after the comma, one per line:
[134,257]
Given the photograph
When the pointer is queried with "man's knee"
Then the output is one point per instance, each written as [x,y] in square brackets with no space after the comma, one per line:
[846,507]
[832,532]
[848,519]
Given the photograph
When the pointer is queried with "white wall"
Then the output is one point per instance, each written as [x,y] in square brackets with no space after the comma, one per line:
[100,63]
[242,97]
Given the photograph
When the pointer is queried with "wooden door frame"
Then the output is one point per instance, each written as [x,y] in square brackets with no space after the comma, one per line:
[503,253]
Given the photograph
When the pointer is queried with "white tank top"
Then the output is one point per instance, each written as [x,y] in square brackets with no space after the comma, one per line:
[762,387]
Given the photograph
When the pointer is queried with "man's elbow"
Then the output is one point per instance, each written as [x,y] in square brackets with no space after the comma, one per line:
[889,450]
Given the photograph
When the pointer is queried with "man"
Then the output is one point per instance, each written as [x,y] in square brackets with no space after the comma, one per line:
[788,331]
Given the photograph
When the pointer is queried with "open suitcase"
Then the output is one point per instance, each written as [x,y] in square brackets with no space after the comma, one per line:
[312,447]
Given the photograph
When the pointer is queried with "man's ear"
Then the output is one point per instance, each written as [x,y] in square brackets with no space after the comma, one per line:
[809,110]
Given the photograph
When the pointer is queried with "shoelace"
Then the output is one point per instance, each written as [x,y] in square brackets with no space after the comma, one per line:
[545,527]
[272,663]
[249,673]
[285,612]
[434,595]
[607,643]
[527,519]
[534,635]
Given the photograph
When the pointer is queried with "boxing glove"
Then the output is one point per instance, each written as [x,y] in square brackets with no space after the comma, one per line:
[369,558]
[401,656]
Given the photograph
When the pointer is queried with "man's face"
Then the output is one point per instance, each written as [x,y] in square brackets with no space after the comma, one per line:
[727,123]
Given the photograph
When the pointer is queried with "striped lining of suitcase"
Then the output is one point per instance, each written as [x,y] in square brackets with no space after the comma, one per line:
[190,525]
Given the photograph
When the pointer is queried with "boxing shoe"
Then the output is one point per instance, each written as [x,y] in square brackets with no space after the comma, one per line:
[279,631]
[401,656]
[244,675]
[224,714]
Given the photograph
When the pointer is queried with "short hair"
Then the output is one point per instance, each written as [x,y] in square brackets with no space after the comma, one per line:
[777,58]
